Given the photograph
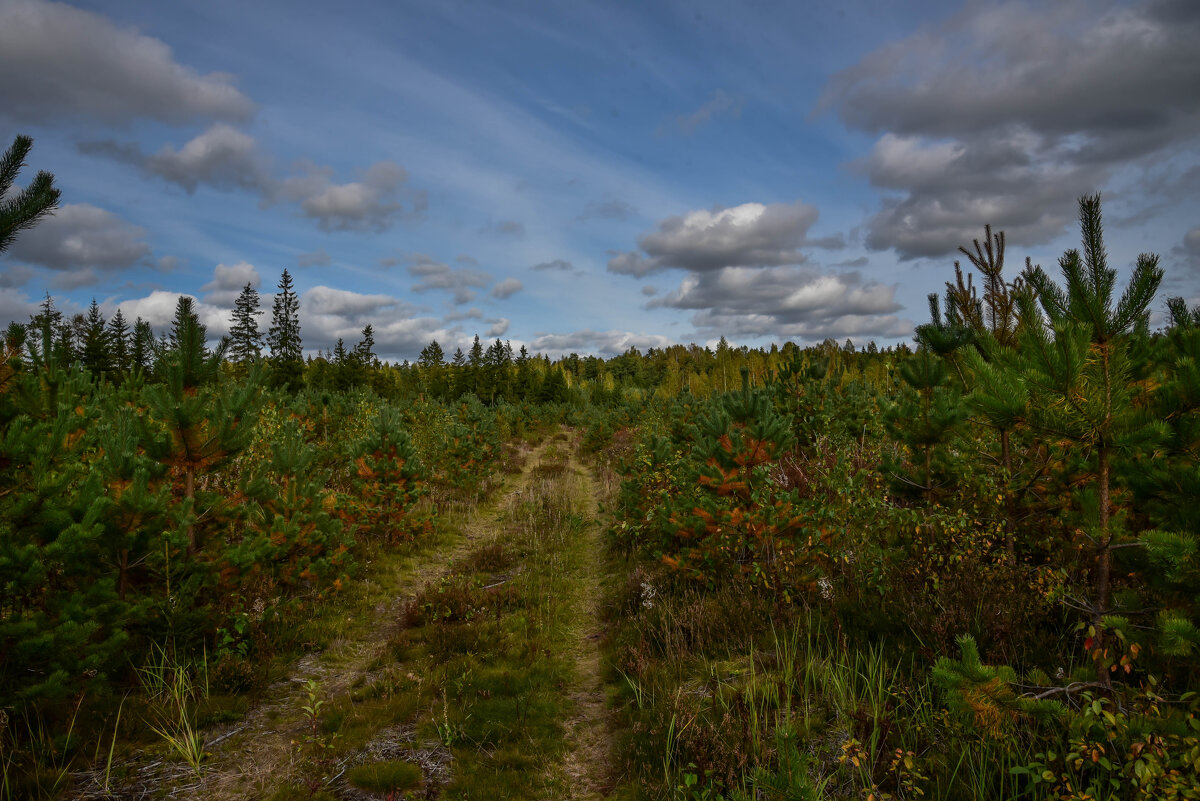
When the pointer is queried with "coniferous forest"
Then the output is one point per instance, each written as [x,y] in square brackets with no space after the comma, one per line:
[958,569]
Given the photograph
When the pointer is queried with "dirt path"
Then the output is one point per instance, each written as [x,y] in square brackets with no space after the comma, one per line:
[249,759]
[586,765]
[265,751]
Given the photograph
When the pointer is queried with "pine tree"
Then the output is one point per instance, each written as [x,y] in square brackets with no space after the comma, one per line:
[284,336]
[388,480]
[475,368]
[43,330]
[295,540]
[11,361]
[204,427]
[364,351]
[24,209]
[1000,400]
[924,418]
[187,348]
[245,340]
[141,350]
[120,343]
[1080,370]
[432,362]
[61,621]
[432,355]
[94,344]
[460,379]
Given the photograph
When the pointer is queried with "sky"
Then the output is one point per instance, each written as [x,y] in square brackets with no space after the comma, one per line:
[589,177]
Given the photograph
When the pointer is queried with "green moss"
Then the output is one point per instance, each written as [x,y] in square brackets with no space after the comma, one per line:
[384,777]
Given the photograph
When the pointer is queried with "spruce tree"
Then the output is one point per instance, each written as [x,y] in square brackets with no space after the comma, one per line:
[460,379]
[23,209]
[120,343]
[432,355]
[245,340]
[187,346]
[287,356]
[43,330]
[364,351]
[474,376]
[94,344]
[432,362]
[141,349]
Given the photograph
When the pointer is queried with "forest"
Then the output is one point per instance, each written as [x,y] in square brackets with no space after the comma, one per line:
[960,569]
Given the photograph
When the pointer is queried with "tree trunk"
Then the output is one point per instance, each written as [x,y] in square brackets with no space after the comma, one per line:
[1104,558]
[1009,523]
[123,574]
[189,492]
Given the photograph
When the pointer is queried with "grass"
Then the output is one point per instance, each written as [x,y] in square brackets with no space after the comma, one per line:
[481,662]
[476,676]
[386,777]
[175,689]
[786,712]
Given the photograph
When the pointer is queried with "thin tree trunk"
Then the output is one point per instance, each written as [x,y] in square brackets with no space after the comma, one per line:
[123,574]
[1104,559]
[189,492]
[1006,463]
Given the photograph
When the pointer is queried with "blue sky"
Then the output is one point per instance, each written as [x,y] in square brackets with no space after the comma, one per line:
[586,177]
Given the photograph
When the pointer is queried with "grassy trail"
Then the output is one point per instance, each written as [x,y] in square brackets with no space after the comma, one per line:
[587,762]
[475,658]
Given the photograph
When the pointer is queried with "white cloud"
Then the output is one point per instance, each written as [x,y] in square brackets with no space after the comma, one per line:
[69,280]
[507,288]
[1067,94]
[222,157]
[472,313]
[439,276]
[787,302]
[80,236]
[605,343]
[372,203]
[15,276]
[1191,241]
[328,314]
[15,306]
[752,234]
[228,282]
[158,309]
[58,61]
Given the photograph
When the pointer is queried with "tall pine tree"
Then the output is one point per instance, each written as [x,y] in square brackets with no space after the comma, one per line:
[141,349]
[245,340]
[119,343]
[1081,373]
[94,344]
[284,336]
